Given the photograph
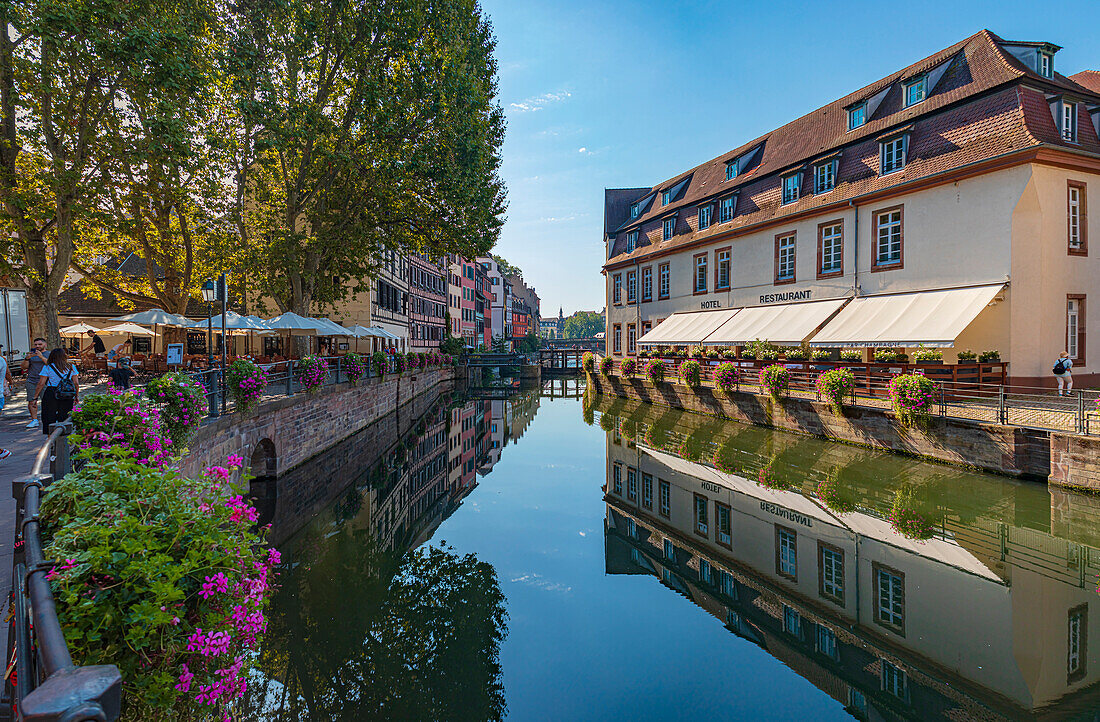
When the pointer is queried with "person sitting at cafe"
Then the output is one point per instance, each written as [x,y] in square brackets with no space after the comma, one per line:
[123,374]
[117,352]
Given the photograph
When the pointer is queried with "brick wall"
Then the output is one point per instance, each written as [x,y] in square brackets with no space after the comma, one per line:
[303,425]
[991,447]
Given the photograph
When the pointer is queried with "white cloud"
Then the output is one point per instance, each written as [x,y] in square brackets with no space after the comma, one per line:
[538,582]
[538,102]
[583,151]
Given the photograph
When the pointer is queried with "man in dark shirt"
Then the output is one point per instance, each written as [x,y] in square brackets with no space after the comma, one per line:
[97,346]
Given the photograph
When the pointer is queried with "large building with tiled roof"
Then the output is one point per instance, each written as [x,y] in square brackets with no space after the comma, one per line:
[955,189]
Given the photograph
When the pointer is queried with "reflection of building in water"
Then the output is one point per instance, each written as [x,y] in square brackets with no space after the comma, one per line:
[983,621]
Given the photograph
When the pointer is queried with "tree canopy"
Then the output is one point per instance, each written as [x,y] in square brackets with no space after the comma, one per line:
[583,324]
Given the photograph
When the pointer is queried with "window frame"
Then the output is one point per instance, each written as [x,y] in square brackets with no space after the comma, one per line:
[696,275]
[664,498]
[664,278]
[796,190]
[668,551]
[901,675]
[631,240]
[1068,133]
[1082,248]
[631,339]
[631,287]
[719,508]
[631,484]
[822,548]
[1048,59]
[884,144]
[732,166]
[877,570]
[634,210]
[918,82]
[1081,300]
[728,251]
[779,238]
[727,202]
[617,289]
[821,227]
[700,508]
[647,491]
[875,264]
[668,228]
[647,283]
[832,166]
[828,633]
[862,116]
[617,479]
[792,621]
[617,338]
[780,530]
[705,212]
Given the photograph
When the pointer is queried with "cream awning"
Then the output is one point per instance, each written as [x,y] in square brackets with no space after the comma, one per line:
[788,324]
[923,318]
[687,328]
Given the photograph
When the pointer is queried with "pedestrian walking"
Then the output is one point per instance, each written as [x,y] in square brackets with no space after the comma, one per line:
[1062,372]
[32,367]
[5,392]
[59,388]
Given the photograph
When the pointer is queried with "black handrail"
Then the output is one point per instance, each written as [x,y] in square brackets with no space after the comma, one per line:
[47,687]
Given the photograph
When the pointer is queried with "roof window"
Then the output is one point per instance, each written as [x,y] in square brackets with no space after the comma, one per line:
[916,91]
[857,116]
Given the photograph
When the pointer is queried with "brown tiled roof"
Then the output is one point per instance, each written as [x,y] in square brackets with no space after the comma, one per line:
[975,112]
[1089,79]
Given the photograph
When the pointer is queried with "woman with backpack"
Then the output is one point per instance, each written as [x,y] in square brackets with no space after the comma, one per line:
[1062,372]
[58,389]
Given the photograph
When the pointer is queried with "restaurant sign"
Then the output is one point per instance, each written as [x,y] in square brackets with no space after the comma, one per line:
[785,297]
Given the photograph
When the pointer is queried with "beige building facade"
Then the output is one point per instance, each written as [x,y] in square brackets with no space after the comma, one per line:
[983,182]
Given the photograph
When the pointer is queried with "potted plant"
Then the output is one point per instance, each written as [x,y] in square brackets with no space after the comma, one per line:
[989,356]
[726,378]
[795,353]
[967,357]
[819,354]
[886,356]
[655,371]
[606,365]
[851,355]
[628,367]
[834,385]
[775,380]
[690,373]
[912,396]
[928,355]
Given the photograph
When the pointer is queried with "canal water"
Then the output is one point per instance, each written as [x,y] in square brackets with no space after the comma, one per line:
[535,555]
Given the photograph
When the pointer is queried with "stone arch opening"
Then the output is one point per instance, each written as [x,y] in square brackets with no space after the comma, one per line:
[263,489]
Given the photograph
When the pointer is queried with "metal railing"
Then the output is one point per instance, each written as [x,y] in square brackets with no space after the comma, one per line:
[999,403]
[42,684]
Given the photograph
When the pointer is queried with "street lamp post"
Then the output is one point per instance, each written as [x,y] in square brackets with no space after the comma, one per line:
[209,293]
[223,294]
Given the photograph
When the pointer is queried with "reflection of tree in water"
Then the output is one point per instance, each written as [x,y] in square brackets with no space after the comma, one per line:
[359,633]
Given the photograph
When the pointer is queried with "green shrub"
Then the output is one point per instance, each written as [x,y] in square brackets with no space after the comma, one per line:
[160,575]
[834,385]
[452,346]
[989,356]
[121,418]
[912,396]
[776,380]
[182,403]
[588,362]
[967,356]
[761,350]
[690,372]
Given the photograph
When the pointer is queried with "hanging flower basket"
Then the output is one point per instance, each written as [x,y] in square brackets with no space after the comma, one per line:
[776,380]
[312,371]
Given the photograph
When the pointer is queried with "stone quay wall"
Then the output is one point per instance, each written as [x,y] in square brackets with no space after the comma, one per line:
[1009,450]
[289,430]
[1075,461]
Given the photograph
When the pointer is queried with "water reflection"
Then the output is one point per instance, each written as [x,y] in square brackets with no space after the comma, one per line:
[900,589]
[368,623]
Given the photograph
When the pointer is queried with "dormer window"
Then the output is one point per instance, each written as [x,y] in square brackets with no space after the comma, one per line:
[634,210]
[916,91]
[669,228]
[726,208]
[857,116]
[666,197]
[1046,65]
[892,154]
[1069,122]
[791,187]
[825,176]
[704,216]
[631,241]
[731,170]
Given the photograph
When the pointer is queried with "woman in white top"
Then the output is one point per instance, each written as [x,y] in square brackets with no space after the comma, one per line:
[57,396]
[1062,372]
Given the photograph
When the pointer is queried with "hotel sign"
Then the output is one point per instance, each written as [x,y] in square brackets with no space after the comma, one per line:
[709,304]
[784,297]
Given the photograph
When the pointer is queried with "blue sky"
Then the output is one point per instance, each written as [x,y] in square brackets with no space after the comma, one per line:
[622,94]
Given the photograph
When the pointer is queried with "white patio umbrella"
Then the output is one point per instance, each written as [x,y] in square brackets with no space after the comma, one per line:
[360,331]
[233,322]
[78,329]
[154,317]
[129,328]
[295,324]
